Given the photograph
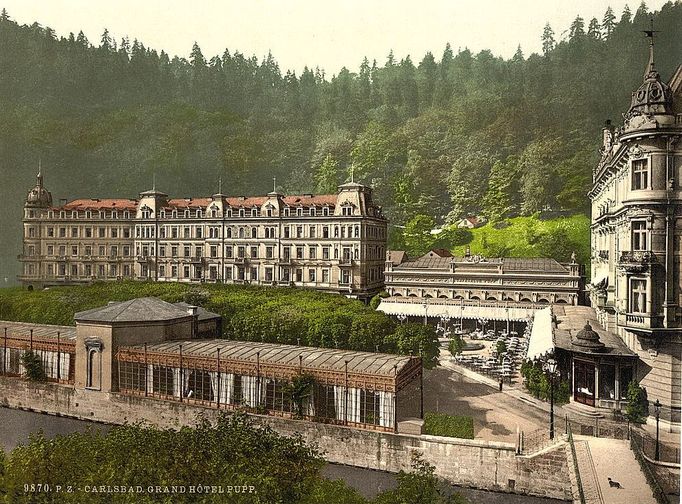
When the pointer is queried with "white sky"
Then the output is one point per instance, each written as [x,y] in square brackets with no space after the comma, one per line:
[328,34]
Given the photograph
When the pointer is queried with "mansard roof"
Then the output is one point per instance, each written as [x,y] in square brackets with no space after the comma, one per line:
[305,200]
[436,260]
[100,204]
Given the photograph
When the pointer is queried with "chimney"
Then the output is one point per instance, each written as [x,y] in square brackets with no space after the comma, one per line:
[192,310]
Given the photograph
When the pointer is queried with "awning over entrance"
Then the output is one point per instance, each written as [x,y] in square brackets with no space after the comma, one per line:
[541,336]
[454,308]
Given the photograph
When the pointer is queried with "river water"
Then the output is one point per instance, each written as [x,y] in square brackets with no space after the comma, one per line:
[17,425]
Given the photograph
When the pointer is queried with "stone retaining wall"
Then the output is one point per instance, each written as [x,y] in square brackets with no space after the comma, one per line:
[474,463]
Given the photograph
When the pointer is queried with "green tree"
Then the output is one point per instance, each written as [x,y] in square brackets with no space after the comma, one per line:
[548,42]
[638,406]
[33,366]
[594,29]
[416,339]
[577,28]
[420,485]
[608,23]
[417,235]
[456,344]
[501,198]
[327,176]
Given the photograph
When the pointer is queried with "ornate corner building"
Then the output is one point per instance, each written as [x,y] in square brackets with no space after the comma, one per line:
[636,234]
[333,242]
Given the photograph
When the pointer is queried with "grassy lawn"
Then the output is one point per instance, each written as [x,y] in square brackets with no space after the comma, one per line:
[456,426]
[523,237]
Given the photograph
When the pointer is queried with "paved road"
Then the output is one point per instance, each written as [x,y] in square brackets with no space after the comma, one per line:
[496,415]
[612,458]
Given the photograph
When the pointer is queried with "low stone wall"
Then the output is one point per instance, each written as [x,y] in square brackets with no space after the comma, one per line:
[479,464]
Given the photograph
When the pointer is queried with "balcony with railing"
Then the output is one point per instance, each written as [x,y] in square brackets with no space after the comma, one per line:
[639,320]
[636,260]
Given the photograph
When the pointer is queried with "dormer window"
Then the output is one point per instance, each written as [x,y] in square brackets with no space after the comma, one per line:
[126,215]
[229,212]
[74,215]
[114,214]
[640,174]
[174,214]
[162,214]
[313,211]
[254,212]
[325,211]
[146,212]
[102,214]
[214,211]
[299,212]
[242,212]
[186,213]
[199,213]
[286,211]
[347,210]
[88,214]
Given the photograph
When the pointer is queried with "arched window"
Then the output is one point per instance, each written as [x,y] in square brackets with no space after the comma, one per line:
[254,232]
[228,232]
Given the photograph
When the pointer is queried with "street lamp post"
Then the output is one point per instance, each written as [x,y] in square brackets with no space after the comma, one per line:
[657,412]
[551,368]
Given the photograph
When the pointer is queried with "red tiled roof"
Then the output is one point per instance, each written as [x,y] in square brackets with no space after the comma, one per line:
[235,202]
[189,202]
[99,204]
[309,200]
[246,202]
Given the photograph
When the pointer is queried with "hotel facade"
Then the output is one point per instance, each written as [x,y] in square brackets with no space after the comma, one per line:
[637,236]
[333,242]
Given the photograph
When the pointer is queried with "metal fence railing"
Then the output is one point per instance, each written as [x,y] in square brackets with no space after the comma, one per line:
[637,448]
[574,458]
[534,441]
[647,444]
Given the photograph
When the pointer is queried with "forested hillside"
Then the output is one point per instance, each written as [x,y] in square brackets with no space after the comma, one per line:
[439,135]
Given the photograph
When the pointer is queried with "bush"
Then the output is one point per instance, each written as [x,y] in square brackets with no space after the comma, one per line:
[537,383]
[417,339]
[500,347]
[376,300]
[638,405]
[456,345]
[196,297]
[442,424]
[34,366]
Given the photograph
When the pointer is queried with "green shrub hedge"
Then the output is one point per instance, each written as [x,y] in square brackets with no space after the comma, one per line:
[442,424]
[250,313]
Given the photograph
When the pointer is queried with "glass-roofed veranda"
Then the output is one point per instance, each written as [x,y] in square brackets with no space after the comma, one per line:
[358,389]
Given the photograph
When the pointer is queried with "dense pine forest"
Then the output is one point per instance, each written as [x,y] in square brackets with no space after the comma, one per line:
[439,136]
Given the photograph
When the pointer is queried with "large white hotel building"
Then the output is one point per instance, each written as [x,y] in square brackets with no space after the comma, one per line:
[334,242]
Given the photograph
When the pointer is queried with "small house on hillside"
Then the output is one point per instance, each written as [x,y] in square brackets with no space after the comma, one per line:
[471,222]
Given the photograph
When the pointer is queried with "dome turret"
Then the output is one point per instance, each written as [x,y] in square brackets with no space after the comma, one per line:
[653,97]
[588,339]
[39,196]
